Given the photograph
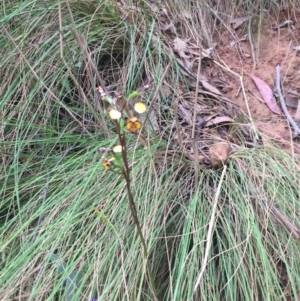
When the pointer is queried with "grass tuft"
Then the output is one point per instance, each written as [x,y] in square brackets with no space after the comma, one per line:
[66,227]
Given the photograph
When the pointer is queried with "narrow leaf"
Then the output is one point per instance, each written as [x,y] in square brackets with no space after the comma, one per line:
[210,88]
[266,94]
[218,120]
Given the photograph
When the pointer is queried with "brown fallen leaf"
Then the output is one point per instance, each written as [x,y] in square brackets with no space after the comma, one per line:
[210,88]
[218,153]
[237,22]
[266,94]
[187,66]
[219,120]
[180,46]
[283,24]
[221,84]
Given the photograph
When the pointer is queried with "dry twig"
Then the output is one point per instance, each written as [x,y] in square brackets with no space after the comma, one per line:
[283,105]
[210,231]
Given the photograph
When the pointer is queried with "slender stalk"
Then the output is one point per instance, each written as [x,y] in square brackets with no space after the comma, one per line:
[126,173]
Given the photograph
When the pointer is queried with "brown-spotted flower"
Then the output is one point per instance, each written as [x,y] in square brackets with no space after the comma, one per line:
[134,124]
[107,163]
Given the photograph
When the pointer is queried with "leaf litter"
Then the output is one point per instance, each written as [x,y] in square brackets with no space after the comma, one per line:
[266,94]
[216,82]
[276,45]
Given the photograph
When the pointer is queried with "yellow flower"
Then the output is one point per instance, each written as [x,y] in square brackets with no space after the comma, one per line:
[117,149]
[133,124]
[108,163]
[139,107]
[114,114]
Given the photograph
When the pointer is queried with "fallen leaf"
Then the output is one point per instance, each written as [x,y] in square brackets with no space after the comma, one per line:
[238,21]
[283,24]
[219,120]
[180,46]
[237,24]
[266,94]
[185,114]
[218,153]
[244,38]
[210,88]
[221,84]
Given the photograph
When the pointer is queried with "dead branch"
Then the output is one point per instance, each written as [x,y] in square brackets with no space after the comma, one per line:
[283,105]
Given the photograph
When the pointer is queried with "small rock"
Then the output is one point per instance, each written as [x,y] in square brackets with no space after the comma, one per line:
[219,153]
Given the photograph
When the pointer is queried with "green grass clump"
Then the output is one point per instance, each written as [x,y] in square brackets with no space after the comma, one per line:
[239,225]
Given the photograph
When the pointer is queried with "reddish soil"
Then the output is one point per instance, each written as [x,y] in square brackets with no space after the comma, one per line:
[272,47]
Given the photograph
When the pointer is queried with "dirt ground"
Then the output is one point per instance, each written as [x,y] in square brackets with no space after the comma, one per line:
[274,45]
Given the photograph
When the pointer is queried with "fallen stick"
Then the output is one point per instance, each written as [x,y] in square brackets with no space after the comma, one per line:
[284,220]
[283,105]
[210,231]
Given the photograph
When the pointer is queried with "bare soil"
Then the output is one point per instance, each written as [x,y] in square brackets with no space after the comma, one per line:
[272,46]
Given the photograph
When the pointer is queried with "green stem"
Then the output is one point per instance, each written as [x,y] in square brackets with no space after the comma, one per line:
[126,173]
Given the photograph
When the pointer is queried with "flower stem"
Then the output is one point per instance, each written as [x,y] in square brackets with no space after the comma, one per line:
[126,173]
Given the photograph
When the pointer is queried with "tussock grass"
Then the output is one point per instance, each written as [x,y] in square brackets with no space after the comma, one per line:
[52,126]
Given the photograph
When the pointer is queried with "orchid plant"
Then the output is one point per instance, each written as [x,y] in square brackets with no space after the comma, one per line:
[116,160]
